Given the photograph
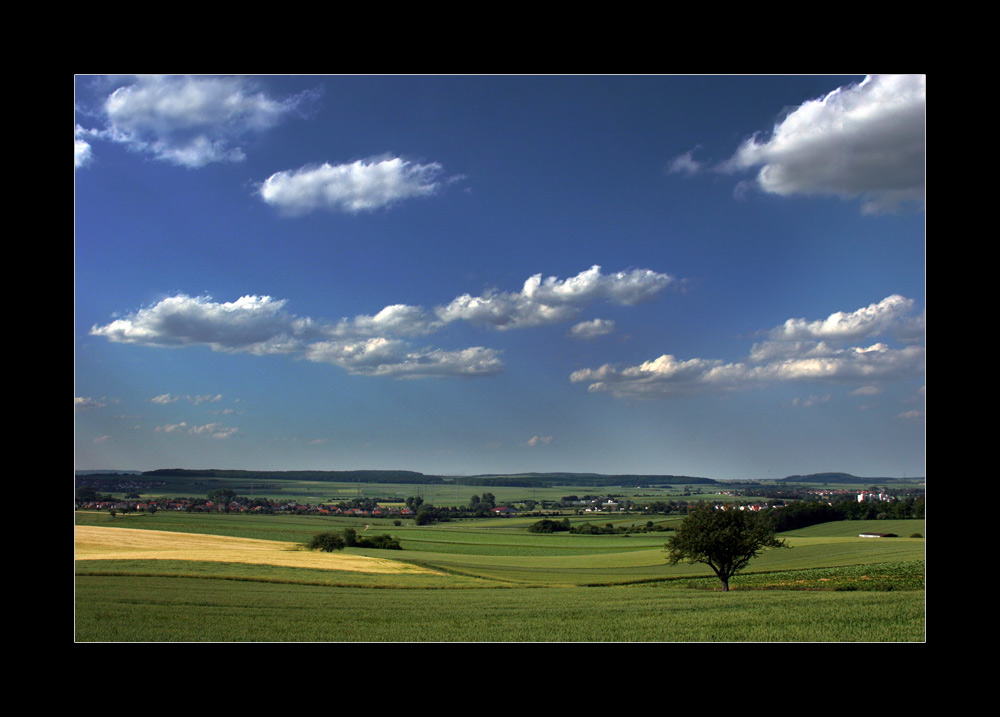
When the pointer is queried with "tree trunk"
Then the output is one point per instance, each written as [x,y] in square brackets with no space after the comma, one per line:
[725,584]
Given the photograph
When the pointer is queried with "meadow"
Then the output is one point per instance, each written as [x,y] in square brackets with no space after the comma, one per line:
[190,577]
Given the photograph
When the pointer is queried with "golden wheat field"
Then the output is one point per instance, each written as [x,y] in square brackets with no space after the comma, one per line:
[98,543]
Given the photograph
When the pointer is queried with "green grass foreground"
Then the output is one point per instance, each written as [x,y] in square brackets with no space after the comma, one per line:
[500,583]
[159,609]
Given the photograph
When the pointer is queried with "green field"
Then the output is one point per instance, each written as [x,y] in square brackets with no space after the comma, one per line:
[440,494]
[495,581]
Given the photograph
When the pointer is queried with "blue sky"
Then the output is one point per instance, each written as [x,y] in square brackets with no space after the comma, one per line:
[718,276]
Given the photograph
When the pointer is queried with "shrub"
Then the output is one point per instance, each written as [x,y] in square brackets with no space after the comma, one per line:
[327,542]
[549,526]
[383,542]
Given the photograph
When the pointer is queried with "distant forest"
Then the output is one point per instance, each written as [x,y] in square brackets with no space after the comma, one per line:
[523,480]
[511,480]
[841,478]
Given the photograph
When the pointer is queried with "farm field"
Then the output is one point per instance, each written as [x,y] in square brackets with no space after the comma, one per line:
[316,491]
[228,578]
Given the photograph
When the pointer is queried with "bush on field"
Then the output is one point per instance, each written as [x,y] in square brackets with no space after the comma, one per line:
[327,542]
[549,526]
[384,542]
[349,538]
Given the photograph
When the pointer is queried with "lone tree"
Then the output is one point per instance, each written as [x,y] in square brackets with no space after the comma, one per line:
[724,540]
[327,542]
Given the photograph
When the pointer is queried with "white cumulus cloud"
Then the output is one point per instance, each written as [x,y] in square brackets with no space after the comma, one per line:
[865,140]
[192,121]
[211,430]
[364,185]
[592,329]
[374,345]
[83,154]
[775,361]
[847,326]
[388,357]
[554,300]
[258,324]
[685,164]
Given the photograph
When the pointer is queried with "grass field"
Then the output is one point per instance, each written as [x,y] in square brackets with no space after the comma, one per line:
[204,577]
[439,494]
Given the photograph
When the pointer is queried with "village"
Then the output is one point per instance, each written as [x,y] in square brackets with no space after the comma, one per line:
[225,501]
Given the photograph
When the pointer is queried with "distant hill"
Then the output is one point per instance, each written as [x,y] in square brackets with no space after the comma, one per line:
[843,478]
[525,480]
[577,479]
[108,472]
[363,476]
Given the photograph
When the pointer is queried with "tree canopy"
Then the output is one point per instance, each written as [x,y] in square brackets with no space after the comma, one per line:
[327,542]
[725,540]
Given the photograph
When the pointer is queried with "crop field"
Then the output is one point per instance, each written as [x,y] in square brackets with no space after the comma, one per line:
[188,577]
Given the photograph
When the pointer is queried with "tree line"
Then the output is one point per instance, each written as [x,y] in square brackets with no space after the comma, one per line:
[558,526]
[802,514]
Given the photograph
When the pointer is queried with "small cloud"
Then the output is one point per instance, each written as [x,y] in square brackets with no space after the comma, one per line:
[83,151]
[810,401]
[212,430]
[166,399]
[192,121]
[85,404]
[361,186]
[867,391]
[392,357]
[204,398]
[592,329]
[539,440]
[83,154]
[685,164]
[914,415]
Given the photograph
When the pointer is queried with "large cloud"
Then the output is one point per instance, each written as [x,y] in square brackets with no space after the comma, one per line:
[848,326]
[258,324]
[865,140]
[372,344]
[193,121]
[794,353]
[364,185]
